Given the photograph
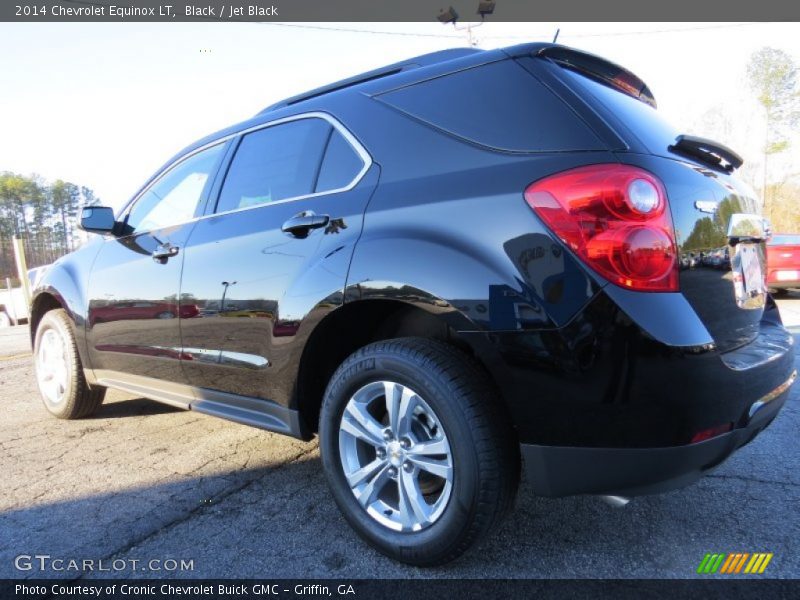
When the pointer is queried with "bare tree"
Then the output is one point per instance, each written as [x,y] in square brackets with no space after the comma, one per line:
[773,77]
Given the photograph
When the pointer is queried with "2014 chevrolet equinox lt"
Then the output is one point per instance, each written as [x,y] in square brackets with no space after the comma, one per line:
[440,267]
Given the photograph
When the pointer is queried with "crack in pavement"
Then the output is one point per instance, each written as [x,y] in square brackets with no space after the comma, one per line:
[754,480]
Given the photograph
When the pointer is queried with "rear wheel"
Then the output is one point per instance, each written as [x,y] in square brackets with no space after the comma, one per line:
[5,320]
[59,372]
[416,452]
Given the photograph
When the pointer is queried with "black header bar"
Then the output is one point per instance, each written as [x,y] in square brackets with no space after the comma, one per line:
[393,589]
[396,10]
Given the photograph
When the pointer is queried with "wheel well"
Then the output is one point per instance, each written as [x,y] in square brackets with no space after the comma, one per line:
[351,327]
[41,305]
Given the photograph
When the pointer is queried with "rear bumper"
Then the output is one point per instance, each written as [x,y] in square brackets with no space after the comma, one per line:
[562,471]
[790,280]
[783,285]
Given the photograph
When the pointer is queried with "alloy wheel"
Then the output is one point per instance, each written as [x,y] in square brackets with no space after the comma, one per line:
[52,366]
[395,456]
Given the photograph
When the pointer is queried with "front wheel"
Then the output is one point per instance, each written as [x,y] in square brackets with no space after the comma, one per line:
[416,451]
[59,372]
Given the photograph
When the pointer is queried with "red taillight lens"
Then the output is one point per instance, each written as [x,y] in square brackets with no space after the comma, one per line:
[712,432]
[615,218]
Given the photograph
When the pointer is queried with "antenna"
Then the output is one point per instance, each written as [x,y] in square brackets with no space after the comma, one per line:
[555,37]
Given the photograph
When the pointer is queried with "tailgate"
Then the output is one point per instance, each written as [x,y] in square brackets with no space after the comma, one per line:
[722,278]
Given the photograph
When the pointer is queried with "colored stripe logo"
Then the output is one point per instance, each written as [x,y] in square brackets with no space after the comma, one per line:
[734,563]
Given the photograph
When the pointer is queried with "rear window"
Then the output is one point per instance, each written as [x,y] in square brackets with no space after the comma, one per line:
[784,240]
[499,105]
[643,121]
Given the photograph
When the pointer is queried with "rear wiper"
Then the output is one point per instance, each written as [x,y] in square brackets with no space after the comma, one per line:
[708,151]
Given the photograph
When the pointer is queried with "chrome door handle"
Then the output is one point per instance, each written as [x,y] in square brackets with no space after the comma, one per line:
[164,252]
[300,224]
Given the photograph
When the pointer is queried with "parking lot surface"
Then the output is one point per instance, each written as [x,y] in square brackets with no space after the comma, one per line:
[145,482]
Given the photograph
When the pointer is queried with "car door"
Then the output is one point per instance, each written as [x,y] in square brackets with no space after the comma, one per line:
[132,326]
[277,246]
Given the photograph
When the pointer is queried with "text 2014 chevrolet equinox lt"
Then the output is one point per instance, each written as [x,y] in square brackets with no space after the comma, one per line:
[445,268]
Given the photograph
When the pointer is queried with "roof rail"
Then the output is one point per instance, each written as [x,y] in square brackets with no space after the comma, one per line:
[411,63]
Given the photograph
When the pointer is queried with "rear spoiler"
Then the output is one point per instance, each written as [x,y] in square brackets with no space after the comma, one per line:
[601,70]
[708,151]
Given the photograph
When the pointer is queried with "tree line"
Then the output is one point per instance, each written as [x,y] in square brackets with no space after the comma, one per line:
[43,214]
[773,77]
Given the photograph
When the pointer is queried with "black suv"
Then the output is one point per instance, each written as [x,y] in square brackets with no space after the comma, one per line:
[444,268]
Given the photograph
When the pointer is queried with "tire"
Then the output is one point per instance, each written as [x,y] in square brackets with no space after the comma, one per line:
[59,372]
[459,407]
[5,320]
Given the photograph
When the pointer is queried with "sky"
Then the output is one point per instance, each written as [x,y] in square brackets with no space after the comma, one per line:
[105,104]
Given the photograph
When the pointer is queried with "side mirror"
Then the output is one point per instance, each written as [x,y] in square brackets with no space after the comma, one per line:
[97,219]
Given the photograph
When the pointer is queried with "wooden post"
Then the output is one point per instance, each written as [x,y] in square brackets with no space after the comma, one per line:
[11,301]
[22,270]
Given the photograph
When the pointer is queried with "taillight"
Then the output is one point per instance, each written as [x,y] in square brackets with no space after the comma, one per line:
[711,432]
[615,218]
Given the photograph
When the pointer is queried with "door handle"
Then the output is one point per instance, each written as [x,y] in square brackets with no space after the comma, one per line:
[300,224]
[164,252]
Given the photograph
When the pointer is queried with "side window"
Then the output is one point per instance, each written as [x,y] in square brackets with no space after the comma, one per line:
[499,105]
[173,198]
[340,165]
[275,163]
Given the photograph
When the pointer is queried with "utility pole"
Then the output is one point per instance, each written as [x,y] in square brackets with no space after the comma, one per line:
[472,41]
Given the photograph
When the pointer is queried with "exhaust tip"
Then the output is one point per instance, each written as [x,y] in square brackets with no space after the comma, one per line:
[615,501]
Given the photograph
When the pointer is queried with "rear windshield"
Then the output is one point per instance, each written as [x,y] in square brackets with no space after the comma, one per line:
[499,105]
[783,239]
[643,121]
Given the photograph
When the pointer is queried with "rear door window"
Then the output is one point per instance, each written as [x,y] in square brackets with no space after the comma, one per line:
[275,163]
[340,166]
[499,105]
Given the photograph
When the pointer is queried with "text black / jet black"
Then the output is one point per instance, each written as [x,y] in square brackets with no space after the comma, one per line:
[441,267]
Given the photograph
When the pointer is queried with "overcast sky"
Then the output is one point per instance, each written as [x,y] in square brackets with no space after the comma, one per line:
[104,105]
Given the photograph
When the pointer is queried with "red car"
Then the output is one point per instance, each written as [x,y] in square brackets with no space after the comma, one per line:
[783,262]
[142,309]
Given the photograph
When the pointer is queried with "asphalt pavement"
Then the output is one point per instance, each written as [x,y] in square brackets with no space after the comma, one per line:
[141,485]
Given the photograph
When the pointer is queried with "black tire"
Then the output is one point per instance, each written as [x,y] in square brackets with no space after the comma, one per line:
[78,399]
[485,455]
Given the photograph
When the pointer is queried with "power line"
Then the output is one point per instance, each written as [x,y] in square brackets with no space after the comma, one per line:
[624,33]
[354,30]
[547,35]
[456,36]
